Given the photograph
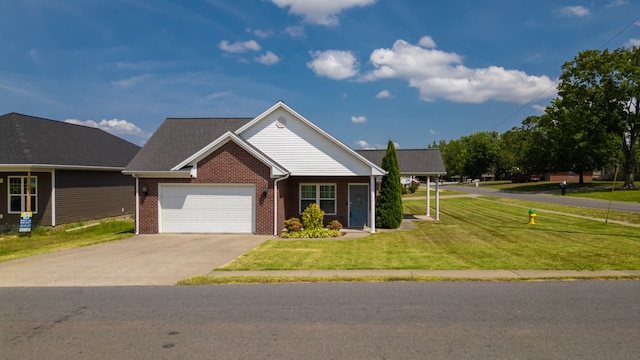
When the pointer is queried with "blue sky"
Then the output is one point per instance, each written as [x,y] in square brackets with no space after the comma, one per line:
[366,71]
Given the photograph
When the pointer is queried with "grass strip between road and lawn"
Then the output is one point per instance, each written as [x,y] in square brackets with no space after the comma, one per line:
[212,280]
[472,234]
[44,240]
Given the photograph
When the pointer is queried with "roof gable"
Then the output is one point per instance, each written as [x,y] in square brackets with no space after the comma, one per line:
[302,147]
[192,161]
[30,140]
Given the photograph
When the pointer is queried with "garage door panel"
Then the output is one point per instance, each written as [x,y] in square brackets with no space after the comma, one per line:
[207,209]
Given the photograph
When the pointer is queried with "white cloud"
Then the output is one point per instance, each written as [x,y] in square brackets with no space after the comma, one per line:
[125,83]
[263,34]
[239,46]
[268,58]
[334,64]
[33,54]
[296,32]
[322,12]
[633,43]
[383,94]
[366,146]
[113,126]
[358,119]
[438,74]
[574,11]
[433,132]
[427,42]
[616,3]
[539,108]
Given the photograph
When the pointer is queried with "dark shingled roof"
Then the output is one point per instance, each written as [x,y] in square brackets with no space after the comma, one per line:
[411,161]
[179,138]
[26,140]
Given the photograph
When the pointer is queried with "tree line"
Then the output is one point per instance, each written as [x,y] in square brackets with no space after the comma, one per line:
[592,124]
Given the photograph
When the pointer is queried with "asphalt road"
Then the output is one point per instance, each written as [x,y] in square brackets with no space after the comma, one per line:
[442,320]
[551,199]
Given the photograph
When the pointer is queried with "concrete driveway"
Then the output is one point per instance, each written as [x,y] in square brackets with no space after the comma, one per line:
[161,259]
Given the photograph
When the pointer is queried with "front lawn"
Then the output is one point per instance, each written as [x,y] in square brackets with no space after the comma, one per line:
[472,234]
[41,240]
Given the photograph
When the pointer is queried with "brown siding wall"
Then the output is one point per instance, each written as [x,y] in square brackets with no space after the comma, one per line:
[88,195]
[342,196]
[228,165]
[43,217]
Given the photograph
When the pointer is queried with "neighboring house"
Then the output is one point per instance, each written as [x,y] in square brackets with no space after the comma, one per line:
[75,172]
[568,176]
[248,175]
[416,162]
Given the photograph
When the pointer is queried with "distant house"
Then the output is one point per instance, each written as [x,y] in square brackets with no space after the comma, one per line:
[248,175]
[74,172]
[568,176]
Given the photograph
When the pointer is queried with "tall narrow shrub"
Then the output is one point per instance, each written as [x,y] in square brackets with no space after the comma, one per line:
[389,202]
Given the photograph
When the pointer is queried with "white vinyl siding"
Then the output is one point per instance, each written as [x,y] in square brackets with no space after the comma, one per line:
[322,194]
[301,149]
[207,208]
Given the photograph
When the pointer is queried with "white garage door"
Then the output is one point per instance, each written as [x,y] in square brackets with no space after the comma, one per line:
[207,208]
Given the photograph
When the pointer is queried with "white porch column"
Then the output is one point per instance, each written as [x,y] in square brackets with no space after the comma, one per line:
[137,229]
[438,198]
[428,195]
[372,215]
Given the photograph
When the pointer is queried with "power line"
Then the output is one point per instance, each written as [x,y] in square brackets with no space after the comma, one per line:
[555,82]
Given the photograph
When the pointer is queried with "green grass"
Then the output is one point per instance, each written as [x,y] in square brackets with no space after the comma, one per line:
[41,240]
[618,194]
[228,280]
[472,234]
[627,217]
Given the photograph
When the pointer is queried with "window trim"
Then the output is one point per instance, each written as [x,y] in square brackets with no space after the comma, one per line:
[22,195]
[318,198]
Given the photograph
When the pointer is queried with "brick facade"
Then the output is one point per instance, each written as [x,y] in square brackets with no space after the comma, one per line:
[292,202]
[230,164]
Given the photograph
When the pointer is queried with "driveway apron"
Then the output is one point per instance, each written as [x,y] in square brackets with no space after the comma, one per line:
[161,259]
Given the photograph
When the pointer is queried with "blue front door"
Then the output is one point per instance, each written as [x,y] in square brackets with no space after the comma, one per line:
[358,205]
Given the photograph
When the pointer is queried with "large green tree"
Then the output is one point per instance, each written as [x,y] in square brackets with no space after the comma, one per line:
[389,212]
[482,151]
[603,89]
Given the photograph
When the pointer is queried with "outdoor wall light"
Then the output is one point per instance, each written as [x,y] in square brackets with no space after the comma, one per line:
[265,189]
[144,190]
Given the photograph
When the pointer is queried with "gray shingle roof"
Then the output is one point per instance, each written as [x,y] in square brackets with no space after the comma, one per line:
[28,139]
[179,138]
[411,161]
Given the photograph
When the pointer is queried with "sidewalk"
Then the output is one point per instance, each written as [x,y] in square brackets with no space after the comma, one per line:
[435,274]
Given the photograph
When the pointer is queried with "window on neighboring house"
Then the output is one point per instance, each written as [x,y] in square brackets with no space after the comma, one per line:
[322,194]
[18,194]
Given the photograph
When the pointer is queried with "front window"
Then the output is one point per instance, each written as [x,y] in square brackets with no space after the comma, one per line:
[18,194]
[322,194]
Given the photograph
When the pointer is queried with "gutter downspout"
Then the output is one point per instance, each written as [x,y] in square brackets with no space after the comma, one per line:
[275,202]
